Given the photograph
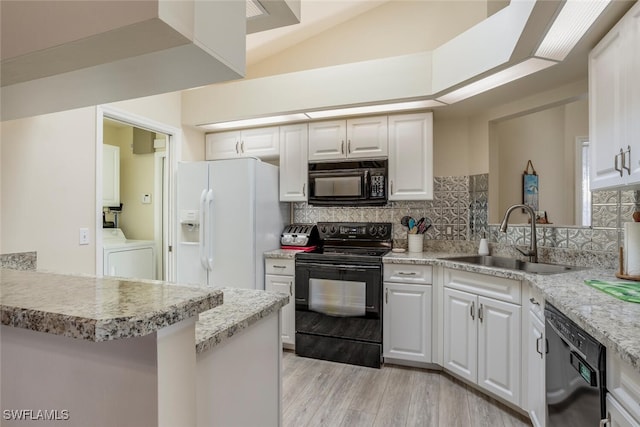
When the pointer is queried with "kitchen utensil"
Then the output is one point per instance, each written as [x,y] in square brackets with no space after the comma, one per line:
[424,225]
[405,220]
[412,223]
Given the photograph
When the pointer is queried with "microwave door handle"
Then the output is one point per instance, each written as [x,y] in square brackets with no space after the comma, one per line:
[367,185]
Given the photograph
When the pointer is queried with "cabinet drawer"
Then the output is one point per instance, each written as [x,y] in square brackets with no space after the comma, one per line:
[408,273]
[280,266]
[623,382]
[508,290]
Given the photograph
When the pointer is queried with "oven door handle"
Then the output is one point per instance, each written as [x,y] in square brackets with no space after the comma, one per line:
[342,267]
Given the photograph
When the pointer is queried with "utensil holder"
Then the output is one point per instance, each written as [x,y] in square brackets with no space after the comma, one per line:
[415,242]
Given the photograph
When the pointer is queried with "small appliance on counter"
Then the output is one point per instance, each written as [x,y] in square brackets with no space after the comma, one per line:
[303,237]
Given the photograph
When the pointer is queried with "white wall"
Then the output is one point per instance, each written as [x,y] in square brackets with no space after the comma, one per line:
[48,188]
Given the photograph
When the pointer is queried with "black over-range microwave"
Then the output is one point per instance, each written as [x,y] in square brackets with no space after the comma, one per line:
[348,183]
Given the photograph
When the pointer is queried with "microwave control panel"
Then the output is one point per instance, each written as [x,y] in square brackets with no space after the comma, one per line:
[377,186]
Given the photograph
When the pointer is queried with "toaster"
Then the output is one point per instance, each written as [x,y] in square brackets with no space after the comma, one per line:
[299,236]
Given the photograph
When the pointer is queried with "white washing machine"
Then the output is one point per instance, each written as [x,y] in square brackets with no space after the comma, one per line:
[127,258]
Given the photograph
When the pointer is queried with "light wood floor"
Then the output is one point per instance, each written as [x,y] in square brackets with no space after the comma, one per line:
[321,393]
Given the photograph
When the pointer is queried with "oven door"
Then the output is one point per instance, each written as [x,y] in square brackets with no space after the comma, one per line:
[338,312]
[339,290]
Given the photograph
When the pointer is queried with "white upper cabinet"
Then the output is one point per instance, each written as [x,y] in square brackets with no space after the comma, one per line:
[614,105]
[359,138]
[411,156]
[110,176]
[293,163]
[263,143]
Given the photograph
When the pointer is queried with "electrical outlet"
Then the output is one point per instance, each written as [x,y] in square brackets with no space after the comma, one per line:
[84,236]
[449,231]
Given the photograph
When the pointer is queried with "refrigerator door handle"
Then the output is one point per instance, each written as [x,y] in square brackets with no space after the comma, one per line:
[209,238]
[203,221]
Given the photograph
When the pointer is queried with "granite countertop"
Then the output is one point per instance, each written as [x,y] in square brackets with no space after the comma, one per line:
[241,309]
[281,254]
[613,322]
[97,309]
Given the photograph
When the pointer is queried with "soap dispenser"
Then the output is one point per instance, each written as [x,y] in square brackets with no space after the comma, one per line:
[483,248]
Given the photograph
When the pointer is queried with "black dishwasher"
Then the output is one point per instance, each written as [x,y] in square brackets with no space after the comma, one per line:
[575,373]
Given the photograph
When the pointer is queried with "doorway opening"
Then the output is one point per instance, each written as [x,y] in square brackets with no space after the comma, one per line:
[134,189]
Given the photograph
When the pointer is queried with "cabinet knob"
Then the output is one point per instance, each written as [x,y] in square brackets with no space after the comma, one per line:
[237,150]
[304,189]
[386,296]
[342,147]
[472,310]
[349,146]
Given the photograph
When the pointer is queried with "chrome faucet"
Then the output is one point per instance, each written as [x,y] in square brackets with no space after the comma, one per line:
[532,253]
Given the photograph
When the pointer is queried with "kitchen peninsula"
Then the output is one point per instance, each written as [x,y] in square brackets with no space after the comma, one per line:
[105,351]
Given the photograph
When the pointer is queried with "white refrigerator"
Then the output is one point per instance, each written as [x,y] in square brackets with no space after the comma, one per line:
[229,214]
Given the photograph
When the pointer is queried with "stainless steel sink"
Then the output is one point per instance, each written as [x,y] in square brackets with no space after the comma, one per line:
[515,264]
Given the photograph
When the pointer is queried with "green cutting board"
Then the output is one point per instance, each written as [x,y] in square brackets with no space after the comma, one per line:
[626,291]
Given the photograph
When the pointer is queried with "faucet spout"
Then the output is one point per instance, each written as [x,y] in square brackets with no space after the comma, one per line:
[532,253]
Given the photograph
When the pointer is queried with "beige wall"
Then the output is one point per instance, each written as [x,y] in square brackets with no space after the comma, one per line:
[167,109]
[136,179]
[397,27]
[48,188]
[451,147]
[547,138]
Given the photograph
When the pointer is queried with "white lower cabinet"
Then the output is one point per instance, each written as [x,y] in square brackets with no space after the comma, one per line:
[283,281]
[617,416]
[623,397]
[481,339]
[407,319]
[536,369]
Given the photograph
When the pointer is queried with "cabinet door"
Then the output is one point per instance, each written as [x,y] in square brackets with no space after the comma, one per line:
[367,137]
[293,163]
[499,348]
[284,285]
[535,372]
[263,143]
[110,175]
[631,92]
[407,322]
[327,140]
[411,157]
[617,415]
[605,110]
[460,333]
[222,145]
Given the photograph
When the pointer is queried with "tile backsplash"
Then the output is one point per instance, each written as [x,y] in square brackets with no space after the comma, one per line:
[458,210]
[459,214]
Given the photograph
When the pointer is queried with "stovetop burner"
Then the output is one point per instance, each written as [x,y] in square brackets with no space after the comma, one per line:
[342,241]
[353,251]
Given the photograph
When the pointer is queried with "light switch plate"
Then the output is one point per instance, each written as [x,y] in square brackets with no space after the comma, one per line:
[146,199]
[84,236]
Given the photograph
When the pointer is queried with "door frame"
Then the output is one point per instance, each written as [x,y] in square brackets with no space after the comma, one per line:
[173,150]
